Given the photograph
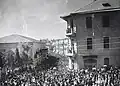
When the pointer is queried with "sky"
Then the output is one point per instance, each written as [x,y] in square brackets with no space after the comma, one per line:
[39,19]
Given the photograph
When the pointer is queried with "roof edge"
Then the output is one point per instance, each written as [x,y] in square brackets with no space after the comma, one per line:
[93,11]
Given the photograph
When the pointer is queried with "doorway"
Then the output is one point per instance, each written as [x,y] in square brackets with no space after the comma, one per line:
[90,61]
[106,61]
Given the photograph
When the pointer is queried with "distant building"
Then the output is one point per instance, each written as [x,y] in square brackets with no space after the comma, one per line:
[14,41]
[60,46]
[96,30]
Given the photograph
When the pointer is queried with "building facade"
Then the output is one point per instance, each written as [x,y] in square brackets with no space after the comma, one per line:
[14,41]
[97,28]
[60,46]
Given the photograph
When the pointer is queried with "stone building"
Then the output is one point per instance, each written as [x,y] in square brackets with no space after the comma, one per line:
[14,41]
[96,30]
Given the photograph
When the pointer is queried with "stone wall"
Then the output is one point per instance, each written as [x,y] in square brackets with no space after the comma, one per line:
[99,32]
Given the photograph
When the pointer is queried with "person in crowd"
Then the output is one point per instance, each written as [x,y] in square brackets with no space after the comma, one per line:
[54,77]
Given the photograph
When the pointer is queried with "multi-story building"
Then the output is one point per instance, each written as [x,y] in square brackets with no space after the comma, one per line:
[96,30]
[60,46]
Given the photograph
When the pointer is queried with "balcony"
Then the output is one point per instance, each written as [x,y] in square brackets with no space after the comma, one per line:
[69,53]
[70,32]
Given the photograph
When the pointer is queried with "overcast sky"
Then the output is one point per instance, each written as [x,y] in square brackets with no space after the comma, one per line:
[36,18]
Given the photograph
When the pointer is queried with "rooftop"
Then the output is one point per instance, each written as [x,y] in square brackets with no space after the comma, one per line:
[98,6]
[15,38]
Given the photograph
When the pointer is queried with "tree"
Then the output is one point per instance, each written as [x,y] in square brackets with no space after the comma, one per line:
[26,58]
[46,63]
[18,60]
[1,59]
[9,58]
[23,58]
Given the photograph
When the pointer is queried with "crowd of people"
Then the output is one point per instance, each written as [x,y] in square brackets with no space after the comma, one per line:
[52,77]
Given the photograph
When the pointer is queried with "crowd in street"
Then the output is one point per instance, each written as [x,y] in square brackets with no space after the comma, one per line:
[53,77]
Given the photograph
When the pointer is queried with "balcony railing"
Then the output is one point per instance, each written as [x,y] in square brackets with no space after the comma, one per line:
[69,52]
[69,32]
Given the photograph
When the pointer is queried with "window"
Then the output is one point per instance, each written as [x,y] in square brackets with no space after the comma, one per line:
[68,30]
[88,22]
[89,43]
[71,23]
[2,50]
[105,21]
[106,61]
[68,25]
[106,4]
[106,42]
[74,28]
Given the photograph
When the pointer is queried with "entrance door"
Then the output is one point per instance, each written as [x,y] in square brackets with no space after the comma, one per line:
[89,63]
[106,61]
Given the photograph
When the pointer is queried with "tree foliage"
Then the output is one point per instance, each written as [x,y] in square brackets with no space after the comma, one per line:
[1,60]
[9,58]
[44,62]
[17,58]
[26,59]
